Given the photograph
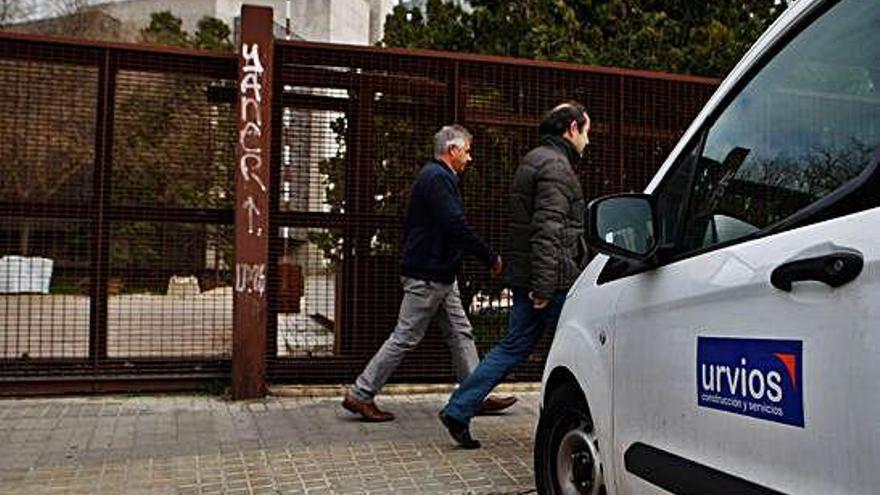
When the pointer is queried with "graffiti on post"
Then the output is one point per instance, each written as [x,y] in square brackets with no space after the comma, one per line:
[251,88]
[251,160]
[250,278]
[252,210]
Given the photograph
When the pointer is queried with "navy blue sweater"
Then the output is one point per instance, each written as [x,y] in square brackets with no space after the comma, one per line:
[437,233]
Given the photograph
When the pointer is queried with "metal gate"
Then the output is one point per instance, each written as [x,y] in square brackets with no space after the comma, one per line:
[355,126]
[116,169]
[122,186]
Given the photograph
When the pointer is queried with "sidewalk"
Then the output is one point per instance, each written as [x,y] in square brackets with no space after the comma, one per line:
[203,444]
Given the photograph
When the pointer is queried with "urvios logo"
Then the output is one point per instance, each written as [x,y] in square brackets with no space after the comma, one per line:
[752,377]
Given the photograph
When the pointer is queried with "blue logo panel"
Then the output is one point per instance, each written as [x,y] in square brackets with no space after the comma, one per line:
[752,377]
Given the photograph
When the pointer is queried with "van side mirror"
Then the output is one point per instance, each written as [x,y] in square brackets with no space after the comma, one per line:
[623,225]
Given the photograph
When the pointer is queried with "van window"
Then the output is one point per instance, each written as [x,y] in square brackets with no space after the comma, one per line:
[807,123]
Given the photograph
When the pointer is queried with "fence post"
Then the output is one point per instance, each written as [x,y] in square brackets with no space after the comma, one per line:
[106,111]
[252,153]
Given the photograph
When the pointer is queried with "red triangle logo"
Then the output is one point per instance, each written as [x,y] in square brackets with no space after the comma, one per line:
[789,360]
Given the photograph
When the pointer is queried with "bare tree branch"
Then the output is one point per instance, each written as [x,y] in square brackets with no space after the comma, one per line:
[12,11]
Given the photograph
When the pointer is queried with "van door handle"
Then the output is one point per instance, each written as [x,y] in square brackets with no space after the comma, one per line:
[834,270]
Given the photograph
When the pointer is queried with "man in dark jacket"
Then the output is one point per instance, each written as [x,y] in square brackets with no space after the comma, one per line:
[544,256]
[437,237]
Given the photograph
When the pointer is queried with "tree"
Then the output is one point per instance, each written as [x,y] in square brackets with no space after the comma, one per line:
[46,129]
[81,19]
[680,36]
[173,148]
[213,34]
[449,27]
[165,29]
[46,135]
[12,11]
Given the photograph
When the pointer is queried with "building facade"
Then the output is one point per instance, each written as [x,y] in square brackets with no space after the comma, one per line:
[357,22]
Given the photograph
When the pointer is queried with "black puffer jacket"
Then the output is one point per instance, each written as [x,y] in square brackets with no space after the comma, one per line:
[545,250]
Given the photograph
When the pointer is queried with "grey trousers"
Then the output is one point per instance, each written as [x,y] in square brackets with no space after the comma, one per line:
[422,301]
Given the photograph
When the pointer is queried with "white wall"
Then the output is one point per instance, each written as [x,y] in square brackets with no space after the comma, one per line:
[358,22]
[136,13]
[335,21]
[349,21]
[379,9]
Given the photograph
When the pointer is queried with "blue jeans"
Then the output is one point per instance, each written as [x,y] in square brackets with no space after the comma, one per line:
[524,329]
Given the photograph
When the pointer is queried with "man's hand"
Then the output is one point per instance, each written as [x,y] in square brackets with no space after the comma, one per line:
[538,302]
[497,268]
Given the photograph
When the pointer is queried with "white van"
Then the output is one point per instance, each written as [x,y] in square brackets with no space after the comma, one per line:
[727,341]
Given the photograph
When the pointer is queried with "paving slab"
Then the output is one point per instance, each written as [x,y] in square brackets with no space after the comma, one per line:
[191,444]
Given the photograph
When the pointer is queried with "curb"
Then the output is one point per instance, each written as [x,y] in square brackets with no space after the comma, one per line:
[392,389]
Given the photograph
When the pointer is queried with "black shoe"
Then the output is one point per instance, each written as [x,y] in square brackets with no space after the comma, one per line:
[459,432]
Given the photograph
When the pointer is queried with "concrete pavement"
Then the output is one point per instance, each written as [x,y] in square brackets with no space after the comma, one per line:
[207,445]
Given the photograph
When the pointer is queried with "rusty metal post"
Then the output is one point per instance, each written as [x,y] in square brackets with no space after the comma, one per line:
[105,115]
[253,159]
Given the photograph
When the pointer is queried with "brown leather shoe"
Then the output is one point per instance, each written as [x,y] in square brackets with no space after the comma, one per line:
[494,404]
[367,410]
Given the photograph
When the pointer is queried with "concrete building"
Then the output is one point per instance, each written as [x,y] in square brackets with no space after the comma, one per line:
[357,22]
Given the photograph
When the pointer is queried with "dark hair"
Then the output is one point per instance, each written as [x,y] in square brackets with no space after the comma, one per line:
[557,121]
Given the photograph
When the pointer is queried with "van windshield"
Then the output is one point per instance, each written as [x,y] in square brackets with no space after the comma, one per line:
[807,123]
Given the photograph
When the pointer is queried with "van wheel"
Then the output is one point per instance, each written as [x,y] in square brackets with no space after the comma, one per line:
[567,460]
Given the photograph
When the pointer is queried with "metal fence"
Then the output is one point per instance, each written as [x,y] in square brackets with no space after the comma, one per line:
[115,216]
[117,200]
[355,126]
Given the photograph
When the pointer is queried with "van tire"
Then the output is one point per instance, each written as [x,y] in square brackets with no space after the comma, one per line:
[567,460]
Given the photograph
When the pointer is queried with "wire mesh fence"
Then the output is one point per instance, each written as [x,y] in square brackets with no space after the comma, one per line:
[47,136]
[116,225]
[356,126]
[117,192]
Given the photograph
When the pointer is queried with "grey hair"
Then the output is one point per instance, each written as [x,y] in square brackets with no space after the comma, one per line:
[450,135]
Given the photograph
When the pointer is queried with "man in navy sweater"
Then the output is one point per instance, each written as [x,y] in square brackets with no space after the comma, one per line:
[437,237]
